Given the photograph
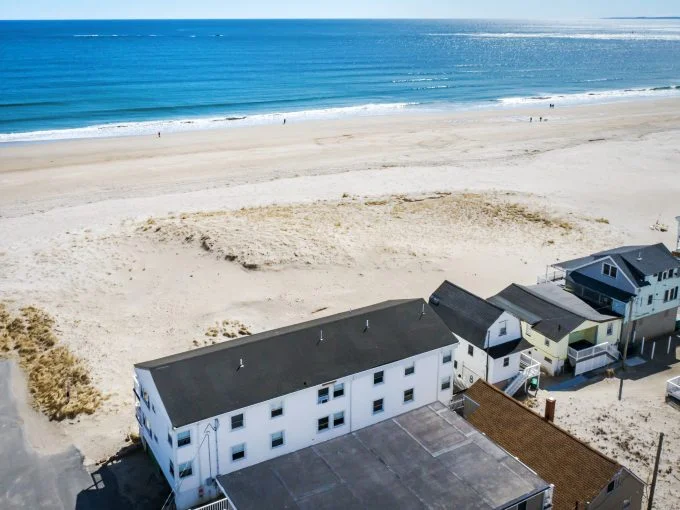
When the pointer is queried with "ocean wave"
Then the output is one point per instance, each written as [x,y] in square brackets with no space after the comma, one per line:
[613,36]
[417,80]
[591,96]
[176,125]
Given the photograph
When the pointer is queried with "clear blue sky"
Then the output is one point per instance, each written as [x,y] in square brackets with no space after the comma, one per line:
[547,9]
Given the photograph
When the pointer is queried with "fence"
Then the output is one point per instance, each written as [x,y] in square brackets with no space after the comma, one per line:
[222,504]
[596,350]
[673,388]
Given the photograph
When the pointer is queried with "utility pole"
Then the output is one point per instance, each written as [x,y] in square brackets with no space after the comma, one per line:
[650,501]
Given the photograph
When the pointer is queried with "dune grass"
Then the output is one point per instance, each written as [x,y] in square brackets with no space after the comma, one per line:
[58,381]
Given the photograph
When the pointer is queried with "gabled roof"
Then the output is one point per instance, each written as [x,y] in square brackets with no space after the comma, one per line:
[546,317]
[568,301]
[578,471]
[601,287]
[466,314]
[635,261]
[207,382]
[508,348]
[428,458]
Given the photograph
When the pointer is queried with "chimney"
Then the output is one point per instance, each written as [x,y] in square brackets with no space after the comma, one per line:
[550,409]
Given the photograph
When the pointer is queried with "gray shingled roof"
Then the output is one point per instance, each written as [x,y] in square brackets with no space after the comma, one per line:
[635,261]
[547,318]
[568,301]
[467,315]
[428,458]
[206,382]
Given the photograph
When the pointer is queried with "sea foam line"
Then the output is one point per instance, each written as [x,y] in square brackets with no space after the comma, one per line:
[557,35]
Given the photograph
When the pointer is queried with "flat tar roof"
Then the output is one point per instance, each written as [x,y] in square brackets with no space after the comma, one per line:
[427,458]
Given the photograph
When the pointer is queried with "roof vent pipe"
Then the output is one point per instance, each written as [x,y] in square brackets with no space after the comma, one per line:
[366,327]
[639,257]
[241,364]
[321,337]
[422,311]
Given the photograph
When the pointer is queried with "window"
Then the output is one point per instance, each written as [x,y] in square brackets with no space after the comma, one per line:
[471,350]
[277,439]
[610,329]
[322,424]
[504,329]
[447,357]
[522,505]
[609,270]
[172,469]
[237,421]
[528,329]
[185,469]
[238,452]
[506,362]
[674,294]
[547,342]
[338,390]
[547,360]
[659,276]
[408,396]
[323,396]
[183,438]
[169,439]
[339,419]
[410,370]
[378,406]
[379,377]
[277,410]
[650,298]
[145,397]
[455,364]
[611,486]
[665,296]
[665,275]
[446,383]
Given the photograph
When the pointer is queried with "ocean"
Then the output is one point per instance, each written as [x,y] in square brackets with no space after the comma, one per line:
[76,79]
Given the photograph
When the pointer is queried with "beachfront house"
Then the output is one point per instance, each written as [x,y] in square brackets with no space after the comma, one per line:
[639,283]
[561,327]
[583,478]
[219,409]
[491,346]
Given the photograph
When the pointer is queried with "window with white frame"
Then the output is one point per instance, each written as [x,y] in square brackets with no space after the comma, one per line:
[609,270]
[408,395]
[237,421]
[665,295]
[674,294]
[276,410]
[503,328]
[445,383]
[378,406]
[447,357]
[323,396]
[471,350]
[183,438]
[238,452]
[410,370]
[338,390]
[186,469]
[277,439]
[379,377]
[506,362]
[610,329]
[322,424]
[339,419]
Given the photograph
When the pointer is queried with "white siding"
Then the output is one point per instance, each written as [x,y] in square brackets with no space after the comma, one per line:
[656,290]
[300,419]
[469,366]
[498,373]
[513,330]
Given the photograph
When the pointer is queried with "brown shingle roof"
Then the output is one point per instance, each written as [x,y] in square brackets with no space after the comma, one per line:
[578,472]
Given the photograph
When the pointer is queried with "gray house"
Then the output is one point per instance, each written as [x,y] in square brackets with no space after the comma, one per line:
[639,283]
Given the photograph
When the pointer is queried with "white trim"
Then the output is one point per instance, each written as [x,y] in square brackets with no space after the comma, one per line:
[601,261]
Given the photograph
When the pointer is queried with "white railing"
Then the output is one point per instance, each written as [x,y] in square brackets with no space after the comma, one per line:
[553,276]
[529,367]
[596,350]
[222,504]
[673,388]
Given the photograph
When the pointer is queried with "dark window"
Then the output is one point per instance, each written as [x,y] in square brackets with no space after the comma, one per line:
[185,469]
[504,329]
[323,424]
[455,364]
[323,396]
[611,486]
[379,377]
[547,359]
[408,395]
[238,452]
[446,383]
[169,439]
[277,411]
[471,350]
[410,370]
[650,298]
[547,342]
[447,357]
[277,439]
[665,296]
[609,270]
[610,329]
[338,390]
[237,421]
[659,277]
[506,362]
[339,419]
[183,438]
[378,406]
[172,469]
[522,505]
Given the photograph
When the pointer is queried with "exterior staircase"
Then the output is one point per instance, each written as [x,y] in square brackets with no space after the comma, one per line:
[528,368]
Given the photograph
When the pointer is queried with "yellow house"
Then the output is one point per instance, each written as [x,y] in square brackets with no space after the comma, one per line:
[564,330]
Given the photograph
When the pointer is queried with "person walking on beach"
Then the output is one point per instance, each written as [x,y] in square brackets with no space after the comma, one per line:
[531,119]
[159,134]
[284,121]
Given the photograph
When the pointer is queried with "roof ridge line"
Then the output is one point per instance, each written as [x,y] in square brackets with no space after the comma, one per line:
[473,295]
[560,429]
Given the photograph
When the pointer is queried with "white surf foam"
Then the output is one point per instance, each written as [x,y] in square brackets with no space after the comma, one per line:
[614,36]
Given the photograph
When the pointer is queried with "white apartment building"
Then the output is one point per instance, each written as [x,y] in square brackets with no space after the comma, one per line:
[222,408]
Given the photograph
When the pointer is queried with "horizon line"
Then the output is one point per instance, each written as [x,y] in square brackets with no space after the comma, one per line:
[404,18]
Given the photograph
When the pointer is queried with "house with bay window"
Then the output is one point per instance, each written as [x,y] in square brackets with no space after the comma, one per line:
[219,409]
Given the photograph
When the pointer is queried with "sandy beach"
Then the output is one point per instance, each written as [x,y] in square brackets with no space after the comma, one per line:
[139,245]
